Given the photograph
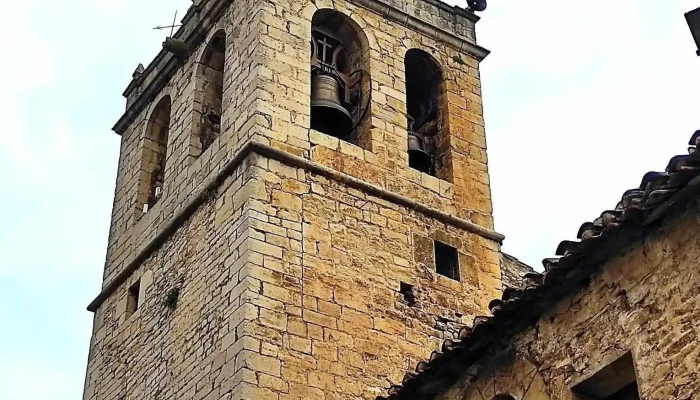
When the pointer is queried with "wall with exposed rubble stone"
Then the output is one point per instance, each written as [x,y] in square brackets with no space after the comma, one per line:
[289,281]
[645,301]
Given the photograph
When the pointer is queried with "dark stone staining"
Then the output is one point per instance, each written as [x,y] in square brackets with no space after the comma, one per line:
[171,298]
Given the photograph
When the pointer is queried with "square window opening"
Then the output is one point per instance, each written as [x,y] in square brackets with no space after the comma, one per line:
[446,261]
[616,381]
[406,291]
[132,300]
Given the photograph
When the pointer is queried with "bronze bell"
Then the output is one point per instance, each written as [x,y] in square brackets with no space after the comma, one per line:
[327,113]
[418,158]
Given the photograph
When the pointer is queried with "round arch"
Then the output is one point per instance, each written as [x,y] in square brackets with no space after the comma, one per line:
[344,72]
[214,52]
[210,77]
[158,125]
[154,155]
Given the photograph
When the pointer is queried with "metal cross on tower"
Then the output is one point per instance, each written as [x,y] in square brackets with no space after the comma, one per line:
[172,26]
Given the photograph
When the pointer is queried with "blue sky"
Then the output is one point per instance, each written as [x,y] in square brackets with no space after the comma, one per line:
[579,103]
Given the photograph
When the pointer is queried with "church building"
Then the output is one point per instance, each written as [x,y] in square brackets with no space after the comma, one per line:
[302,205]
[303,211]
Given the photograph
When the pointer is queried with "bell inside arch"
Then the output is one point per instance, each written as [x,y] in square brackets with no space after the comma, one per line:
[328,115]
[330,85]
[418,158]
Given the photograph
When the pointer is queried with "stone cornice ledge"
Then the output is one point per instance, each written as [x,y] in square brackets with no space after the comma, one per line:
[296,161]
[394,14]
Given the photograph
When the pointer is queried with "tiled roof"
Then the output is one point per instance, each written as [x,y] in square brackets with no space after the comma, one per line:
[576,261]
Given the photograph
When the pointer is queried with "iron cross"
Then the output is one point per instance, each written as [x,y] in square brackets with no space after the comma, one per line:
[172,26]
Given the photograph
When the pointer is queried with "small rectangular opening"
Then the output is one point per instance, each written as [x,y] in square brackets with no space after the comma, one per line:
[616,381]
[132,300]
[406,291]
[446,260]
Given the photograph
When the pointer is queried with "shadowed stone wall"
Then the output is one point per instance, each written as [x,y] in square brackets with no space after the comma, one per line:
[513,271]
[644,301]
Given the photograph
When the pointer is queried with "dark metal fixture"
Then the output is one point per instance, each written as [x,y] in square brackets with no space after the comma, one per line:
[330,95]
[418,157]
[693,19]
[476,5]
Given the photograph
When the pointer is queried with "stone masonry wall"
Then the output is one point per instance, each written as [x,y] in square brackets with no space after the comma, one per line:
[159,352]
[266,98]
[330,313]
[513,271]
[463,187]
[644,301]
[288,281]
[289,289]
[130,230]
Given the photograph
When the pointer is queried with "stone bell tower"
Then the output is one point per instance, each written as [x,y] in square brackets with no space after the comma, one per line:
[302,206]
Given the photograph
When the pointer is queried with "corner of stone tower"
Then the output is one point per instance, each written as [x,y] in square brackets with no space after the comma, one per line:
[302,206]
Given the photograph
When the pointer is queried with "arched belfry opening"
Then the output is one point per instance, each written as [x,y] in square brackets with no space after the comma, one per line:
[211,76]
[340,80]
[424,110]
[155,148]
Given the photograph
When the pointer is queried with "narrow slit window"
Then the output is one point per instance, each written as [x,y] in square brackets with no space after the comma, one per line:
[616,381]
[446,261]
[132,300]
